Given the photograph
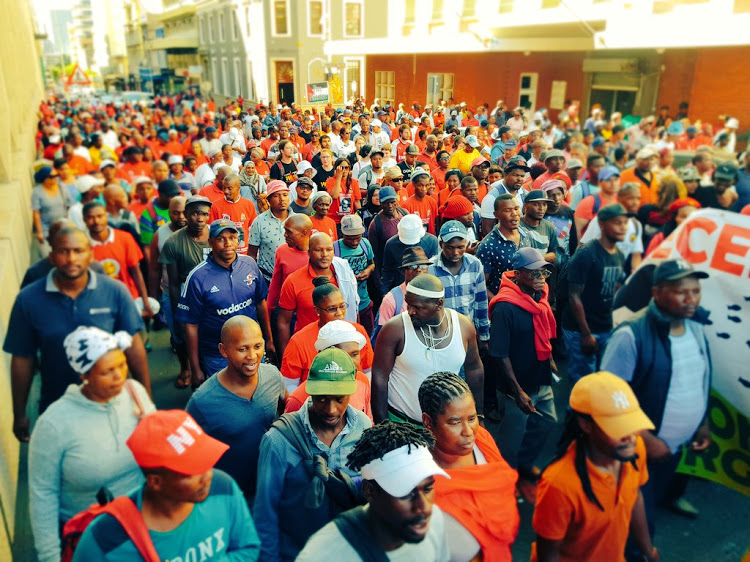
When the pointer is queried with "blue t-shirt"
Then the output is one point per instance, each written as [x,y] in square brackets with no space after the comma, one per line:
[212,294]
[359,258]
[218,528]
[239,422]
[42,317]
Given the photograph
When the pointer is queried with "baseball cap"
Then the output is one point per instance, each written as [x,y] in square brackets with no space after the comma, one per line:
[332,373]
[210,129]
[689,173]
[393,173]
[537,195]
[410,229]
[611,403]
[674,270]
[554,153]
[529,258]
[172,439]
[170,188]
[417,173]
[412,149]
[219,226]
[643,154]
[510,143]
[574,163]
[137,180]
[106,164]
[275,186]
[337,332]
[479,160]
[387,193]
[399,471]
[304,180]
[516,162]
[175,159]
[608,172]
[414,255]
[195,199]
[452,229]
[351,225]
[598,141]
[472,141]
[376,123]
[609,212]
[85,183]
[726,172]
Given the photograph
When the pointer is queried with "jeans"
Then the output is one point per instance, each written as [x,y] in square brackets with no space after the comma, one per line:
[212,364]
[535,427]
[579,363]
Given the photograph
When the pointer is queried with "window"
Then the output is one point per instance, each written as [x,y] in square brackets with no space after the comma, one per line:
[411,11]
[506,6]
[353,19]
[527,91]
[221,28]
[224,76]
[211,29]
[469,9]
[202,30]
[250,82]
[315,18]
[437,10]
[353,78]
[280,17]
[235,30]
[439,87]
[237,78]
[385,86]
[215,74]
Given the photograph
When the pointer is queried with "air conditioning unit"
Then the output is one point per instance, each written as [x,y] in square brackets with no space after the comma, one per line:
[629,66]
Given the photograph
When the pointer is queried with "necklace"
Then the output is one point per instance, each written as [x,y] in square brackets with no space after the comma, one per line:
[430,341]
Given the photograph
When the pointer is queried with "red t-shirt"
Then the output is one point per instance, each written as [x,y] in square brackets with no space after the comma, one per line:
[117,254]
[324,224]
[212,192]
[129,171]
[296,294]
[344,203]
[426,209]
[241,212]
[287,261]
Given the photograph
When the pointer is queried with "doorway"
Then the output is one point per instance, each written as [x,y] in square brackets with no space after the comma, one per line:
[622,101]
[284,72]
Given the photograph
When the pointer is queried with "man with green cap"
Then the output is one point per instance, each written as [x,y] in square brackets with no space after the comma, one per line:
[303,480]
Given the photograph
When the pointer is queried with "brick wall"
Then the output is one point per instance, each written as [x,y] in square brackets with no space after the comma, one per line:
[677,78]
[480,78]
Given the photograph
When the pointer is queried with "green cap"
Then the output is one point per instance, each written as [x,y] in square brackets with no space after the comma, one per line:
[332,373]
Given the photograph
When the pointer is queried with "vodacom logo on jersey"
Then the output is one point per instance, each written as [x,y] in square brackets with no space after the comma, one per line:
[234,308]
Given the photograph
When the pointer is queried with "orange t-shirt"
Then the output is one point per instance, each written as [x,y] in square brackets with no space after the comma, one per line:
[241,212]
[212,192]
[564,513]
[324,224]
[129,171]
[174,147]
[585,208]
[80,166]
[344,203]
[296,294]
[431,161]
[116,255]
[426,209]
[262,168]
[360,400]
[266,145]
[300,352]
[649,192]
[439,175]
[403,196]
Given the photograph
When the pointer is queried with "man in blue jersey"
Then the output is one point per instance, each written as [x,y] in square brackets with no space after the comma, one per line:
[191,510]
[224,285]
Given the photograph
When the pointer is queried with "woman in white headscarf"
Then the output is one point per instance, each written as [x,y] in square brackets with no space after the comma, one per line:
[78,444]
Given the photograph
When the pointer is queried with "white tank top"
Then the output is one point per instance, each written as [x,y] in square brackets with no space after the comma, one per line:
[417,362]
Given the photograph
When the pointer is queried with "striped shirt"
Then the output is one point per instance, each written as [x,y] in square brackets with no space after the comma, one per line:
[465,292]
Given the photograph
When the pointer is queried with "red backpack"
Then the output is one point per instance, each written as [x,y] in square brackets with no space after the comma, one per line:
[127,514]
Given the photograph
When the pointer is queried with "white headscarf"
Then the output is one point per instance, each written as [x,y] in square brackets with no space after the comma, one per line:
[87,344]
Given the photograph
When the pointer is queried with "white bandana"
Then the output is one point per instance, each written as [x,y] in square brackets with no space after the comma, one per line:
[87,344]
[425,292]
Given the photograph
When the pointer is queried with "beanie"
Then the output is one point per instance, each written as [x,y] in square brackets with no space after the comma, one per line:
[457,206]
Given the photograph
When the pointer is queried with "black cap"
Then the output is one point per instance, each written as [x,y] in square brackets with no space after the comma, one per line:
[674,270]
[612,211]
[516,162]
[170,188]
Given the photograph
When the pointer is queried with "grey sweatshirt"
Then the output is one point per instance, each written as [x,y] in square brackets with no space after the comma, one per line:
[77,447]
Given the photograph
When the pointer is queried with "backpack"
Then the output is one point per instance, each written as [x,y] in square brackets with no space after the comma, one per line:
[337,247]
[128,516]
[379,223]
[398,298]
[353,527]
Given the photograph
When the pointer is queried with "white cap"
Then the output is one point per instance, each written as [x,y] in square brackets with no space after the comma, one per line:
[336,332]
[85,183]
[137,180]
[175,159]
[54,139]
[172,132]
[105,163]
[410,229]
[376,123]
[645,153]
[399,471]
[733,123]
[303,166]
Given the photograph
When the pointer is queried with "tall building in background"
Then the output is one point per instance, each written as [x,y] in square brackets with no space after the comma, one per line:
[60,20]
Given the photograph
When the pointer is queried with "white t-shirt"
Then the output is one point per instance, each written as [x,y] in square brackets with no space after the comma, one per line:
[633,242]
[329,544]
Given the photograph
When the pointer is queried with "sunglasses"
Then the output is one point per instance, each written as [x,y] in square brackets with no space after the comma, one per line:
[416,267]
[538,273]
[335,309]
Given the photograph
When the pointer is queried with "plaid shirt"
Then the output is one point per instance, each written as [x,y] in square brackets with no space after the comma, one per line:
[465,292]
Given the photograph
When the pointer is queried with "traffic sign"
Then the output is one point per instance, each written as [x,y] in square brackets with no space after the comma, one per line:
[78,77]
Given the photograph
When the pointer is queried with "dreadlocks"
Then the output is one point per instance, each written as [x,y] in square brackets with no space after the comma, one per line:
[440,389]
[384,438]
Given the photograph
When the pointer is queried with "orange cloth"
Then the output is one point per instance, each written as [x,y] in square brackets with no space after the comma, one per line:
[296,294]
[649,192]
[212,192]
[482,498]
[360,400]
[241,212]
[300,352]
[324,224]
[585,209]
[80,166]
[426,209]
[117,254]
[564,513]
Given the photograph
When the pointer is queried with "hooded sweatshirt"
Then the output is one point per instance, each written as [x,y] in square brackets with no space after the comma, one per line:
[77,447]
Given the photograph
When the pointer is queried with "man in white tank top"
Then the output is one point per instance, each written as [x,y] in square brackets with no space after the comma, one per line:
[426,339]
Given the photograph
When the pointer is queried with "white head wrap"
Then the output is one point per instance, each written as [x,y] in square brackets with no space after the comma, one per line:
[87,344]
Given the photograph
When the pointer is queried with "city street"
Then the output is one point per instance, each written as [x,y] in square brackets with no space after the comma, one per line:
[720,534]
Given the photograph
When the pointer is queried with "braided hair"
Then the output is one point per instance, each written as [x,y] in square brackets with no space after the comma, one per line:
[383,438]
[323,289]
[440,389]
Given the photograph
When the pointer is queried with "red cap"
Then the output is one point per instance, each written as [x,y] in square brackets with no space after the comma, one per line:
[172,439]
[478,161]
[457,206]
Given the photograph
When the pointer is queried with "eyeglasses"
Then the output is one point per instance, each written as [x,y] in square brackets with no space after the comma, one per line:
[344,167]
[538,273]
[415,267]
[335,309]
